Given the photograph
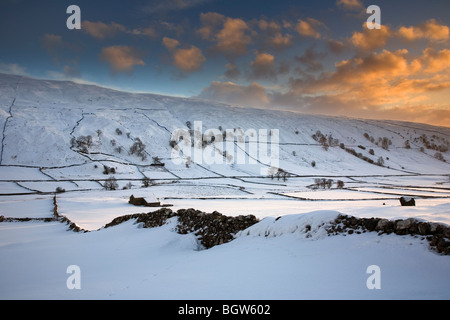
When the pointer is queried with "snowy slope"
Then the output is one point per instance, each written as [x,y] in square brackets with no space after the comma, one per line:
[43,116]
[128,262]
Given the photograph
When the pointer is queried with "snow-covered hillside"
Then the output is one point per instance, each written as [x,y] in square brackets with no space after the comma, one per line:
[40,118]
[97,146]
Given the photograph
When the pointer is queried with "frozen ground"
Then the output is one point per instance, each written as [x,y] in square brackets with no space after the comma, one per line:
[41,118]
[128,262]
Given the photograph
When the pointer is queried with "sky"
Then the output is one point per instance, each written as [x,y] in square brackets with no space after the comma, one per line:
[298,55]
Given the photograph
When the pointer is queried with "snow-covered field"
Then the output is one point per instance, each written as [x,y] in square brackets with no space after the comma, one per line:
[128,262]
[41,122]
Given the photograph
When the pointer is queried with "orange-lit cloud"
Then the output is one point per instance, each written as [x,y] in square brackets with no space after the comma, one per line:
[188,60]
[431,30]
[309,27]
[122,58]
[435,61]
[350,4]
[170,43]
[280,41]
[371,39]
[271,35]
[233,38]
[101,30]
[211,23]
[263,66]
[383,85]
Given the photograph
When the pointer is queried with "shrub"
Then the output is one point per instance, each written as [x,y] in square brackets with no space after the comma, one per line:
[83,143]
[146,182]
[111,184]
[340,184]
[138,148]
[313,164]
[119,132]
[439,156]
[371,152]
[156,160]
[380,161]
[108,170]
[407,145]
[129,185]
[281,174]
[385,143]
[60,190]
[323,183]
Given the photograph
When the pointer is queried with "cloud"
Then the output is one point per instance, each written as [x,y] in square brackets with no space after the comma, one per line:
[263,67]
[270,35]
[310,59]
[430,30]
[170,43]
[232,71]
[188,60]
[253,95]
[164,6]
[369,40]
[233,38]
[373,67]
[211,24]
[60,51]
[309,28]
[147,31]
[12,68]
[350,5]
[100,30]
[122,58]
[337,47]
[279,41]
[379,85]
[51,41]
[372,80]
[434,61]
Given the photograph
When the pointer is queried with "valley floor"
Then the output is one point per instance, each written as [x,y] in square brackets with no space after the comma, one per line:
[129,262]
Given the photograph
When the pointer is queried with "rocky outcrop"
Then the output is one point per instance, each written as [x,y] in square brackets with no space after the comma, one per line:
[437,235]
[148,220]
[71,225]
[210,228]
[214,228]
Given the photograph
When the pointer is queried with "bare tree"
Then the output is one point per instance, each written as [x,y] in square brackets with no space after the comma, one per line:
[111,183]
